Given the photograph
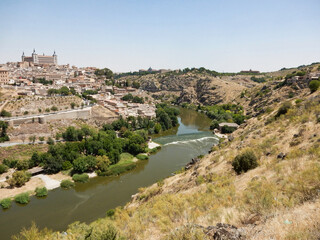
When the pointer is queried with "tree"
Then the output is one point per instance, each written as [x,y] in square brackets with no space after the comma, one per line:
[157,127]
[314,85]
[70,134]
[104,72]
[64,91]
[80,165]
[32,139]
[4,113]
[3,134]
[50,141]
[41,139]
[52,164]
[72,105]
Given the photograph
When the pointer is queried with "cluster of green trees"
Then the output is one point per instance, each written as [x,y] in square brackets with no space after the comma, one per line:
[224,113]
[120,75]
[123,83]
[104,72]
[130,98]
[43,81]
[231,113]
[295,73]
[258,80]
[87,95]
[64,91]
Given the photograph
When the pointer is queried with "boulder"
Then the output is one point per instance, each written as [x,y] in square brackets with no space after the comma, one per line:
[223,231]
[281,155]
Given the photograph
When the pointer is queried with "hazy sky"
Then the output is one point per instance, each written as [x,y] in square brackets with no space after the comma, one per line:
[222,35]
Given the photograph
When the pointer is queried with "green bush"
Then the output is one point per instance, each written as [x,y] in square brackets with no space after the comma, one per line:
[3,168]
[110,212]
[18,179]
[284,108]
[41,192]
[22,198]
[314,85]
[5,203]
[83,178]
[244,162]
[66,184]
[118,169]
[142,157]
[227,129]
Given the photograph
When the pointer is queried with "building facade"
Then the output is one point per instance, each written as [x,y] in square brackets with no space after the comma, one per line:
[40,59]
[4,77]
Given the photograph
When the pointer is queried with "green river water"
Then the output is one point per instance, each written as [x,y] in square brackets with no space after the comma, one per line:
[90,201]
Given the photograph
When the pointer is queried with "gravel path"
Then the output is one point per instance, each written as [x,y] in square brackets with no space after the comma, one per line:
[49,182]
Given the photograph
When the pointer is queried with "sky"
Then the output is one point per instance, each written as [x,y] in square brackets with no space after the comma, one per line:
[128,35]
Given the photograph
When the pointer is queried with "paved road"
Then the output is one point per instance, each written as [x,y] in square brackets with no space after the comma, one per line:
[9,144]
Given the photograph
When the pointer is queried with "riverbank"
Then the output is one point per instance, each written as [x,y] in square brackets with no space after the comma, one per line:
[53,181]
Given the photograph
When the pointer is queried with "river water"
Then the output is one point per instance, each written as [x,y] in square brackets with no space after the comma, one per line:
[89,201]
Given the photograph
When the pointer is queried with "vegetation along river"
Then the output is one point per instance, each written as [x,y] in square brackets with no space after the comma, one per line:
[89,201]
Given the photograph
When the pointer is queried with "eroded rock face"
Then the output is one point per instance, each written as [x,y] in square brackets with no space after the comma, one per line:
[188,95]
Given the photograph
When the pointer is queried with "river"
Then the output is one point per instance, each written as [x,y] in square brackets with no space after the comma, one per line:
[90,201]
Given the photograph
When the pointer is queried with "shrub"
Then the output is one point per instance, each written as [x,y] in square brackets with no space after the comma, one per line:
[142,157]
[5,203]
[22,198]
[110,212]
[314,85]
[244,162]
[118,169]
[66,184]
[54,108]
[18,179]
[3,168]
[41,192]
[283,109]
[227,129]
[83,178]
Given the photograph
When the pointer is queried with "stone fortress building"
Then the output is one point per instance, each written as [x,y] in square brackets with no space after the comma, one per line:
[40,59]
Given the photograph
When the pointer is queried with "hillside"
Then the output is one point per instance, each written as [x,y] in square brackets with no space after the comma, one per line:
[192,87]
[208,87]
[277,199]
